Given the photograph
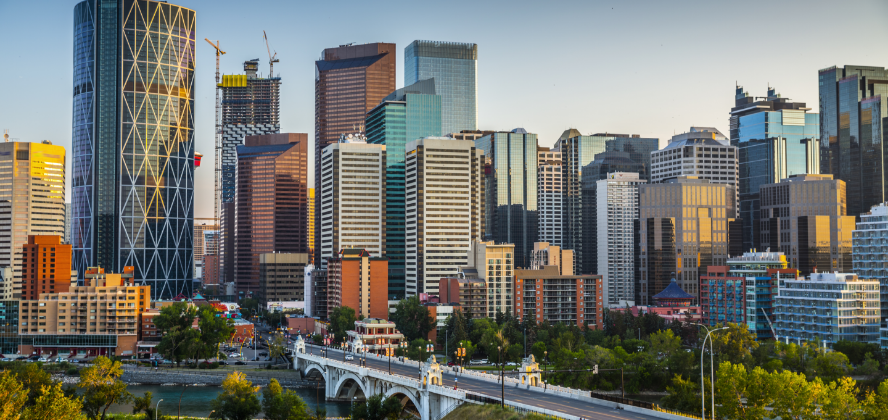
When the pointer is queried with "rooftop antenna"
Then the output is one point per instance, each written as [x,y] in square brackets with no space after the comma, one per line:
[271,58]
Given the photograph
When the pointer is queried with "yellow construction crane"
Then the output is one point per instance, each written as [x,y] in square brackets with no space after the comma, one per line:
[271,58]
[217,172]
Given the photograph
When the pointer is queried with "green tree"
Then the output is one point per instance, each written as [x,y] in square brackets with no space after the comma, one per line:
[855,350]
[33,378]
[413,319]
[342,319]
[515,353]
[249,307]
[829,366]
[143,404]
[13,395]
[735,344]
[280,404]
[841,401]
[684,395]
[238,400]
[875,404]
[377,408]
[793,396]
[53,404]
[664,343]
[741,394]
[179,337]
[277,347]
[102,387]
[214,330]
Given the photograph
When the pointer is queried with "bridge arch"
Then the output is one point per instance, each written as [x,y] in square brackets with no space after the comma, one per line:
[315,367]
[400,390]
[346,379]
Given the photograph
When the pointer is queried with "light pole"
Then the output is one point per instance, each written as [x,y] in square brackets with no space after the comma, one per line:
[546,364]
[502,377]
[712,371]
[156,407]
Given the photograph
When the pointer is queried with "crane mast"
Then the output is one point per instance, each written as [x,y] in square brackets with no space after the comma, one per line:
[271,58]
[217,205]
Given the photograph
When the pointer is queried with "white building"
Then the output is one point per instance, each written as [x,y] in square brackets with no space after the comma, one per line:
[703,152]
[549,196]
[868,256]
[444,206]
[615,208]
[829,307]
[352,197]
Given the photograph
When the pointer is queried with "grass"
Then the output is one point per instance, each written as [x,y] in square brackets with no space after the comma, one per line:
[490,412]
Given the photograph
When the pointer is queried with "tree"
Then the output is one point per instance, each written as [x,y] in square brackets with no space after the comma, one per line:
[13,395]
[875,404]
[538,350]
[683,395]
[375,408]
[280,404]
[742,394]
[143,404]
[664,343]
[841,401]
[829,366]
[53,404]
[793,396]
[413,319]
[277,347]
[175,322]
[342,319]
[34,379]
[735,344]
[855,350]
[238,400]
[214,330]
[249,307]
[102,387]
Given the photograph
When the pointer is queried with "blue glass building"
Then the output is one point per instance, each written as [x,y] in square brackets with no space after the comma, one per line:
[133,141]
[775,138]
[453,66]
[408,114]
[510,186]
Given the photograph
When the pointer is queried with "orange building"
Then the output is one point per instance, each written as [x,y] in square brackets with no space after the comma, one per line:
[46,266]
[350,278]
[546,295]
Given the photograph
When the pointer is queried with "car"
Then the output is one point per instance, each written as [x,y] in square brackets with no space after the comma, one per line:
[511,364]
[5,359]
[450,364]
[222,363]
[349,357]
[59,359]
[21,358]
[476,362]
[239,363]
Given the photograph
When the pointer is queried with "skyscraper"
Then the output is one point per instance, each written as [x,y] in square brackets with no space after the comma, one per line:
[453,66]
[853,132]
[201,225]
[409,113]
[133,140]
[445,209]
[510,187]
[870,261]
[703,152]
[350,80]
[775,138]
[311,225]
[250,107]
[549,199]
[270,203]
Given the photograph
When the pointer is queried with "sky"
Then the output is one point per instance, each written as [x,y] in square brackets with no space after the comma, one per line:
[652,68]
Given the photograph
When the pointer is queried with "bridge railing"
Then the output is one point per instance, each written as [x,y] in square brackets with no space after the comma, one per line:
[521,408]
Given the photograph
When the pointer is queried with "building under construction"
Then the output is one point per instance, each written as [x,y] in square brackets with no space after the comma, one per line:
[250,107]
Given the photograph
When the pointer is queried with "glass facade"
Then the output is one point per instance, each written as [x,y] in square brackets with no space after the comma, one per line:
[133,141]
[510,182]
[870,243]
[854,105]
[9,326]
[453,66]
[408,114]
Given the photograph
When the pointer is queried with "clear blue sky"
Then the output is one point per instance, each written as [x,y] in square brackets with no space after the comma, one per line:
[650,67]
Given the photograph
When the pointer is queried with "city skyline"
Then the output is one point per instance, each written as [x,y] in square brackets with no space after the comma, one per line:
[587,96]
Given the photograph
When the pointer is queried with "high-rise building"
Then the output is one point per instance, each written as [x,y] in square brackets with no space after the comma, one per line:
[352,198]
[250,107]
[409,113]
[684,226]
[453,66]
[870,261]
[350,277]
[703,152]
[211,239]
[606,163]
[133,141]
[775,138]
[32,203]
[494,264]
[639,150]
[468,292]
[315,292]
[281,277]
[549,199]
[270,203]
[510,186]
[445,209]
[609,234]
[350,80]
[804,217]
[201,225]
[545,254]
[46,266]
[311,225]
[547,295]
[9,329]
[68,228]
[854,132]
[828,307]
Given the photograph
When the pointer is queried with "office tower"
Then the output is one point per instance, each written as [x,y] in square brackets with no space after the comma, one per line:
[470,135]
[445,209]
[703,152]
[351,275]
[494,264]
[548,254]
[545,295]
[611,205]
[869,259]
[270,203]
[311,225]
[250,107]
[318,281]
[68,230]
[775,138]
[854,130]
[211,239]
[804,216]
[805,307]
[352,199]
[453,66]
[510,185]
[133,141]
[281,277]
[549,198]
[606,163]
[9,329]
[46,266]
[10,286]
[350,80]
[577,151]
[201,225]
[685,225]
[409,113]
[32,203]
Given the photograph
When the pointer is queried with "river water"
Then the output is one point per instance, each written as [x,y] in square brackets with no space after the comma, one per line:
[196,400]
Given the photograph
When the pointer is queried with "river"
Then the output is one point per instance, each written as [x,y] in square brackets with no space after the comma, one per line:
[196,400]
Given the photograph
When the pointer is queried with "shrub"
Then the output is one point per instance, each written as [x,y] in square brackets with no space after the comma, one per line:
[73,371]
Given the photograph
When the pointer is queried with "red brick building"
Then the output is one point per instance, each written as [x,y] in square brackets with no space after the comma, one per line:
[547,295]
[359,281]
[46,266]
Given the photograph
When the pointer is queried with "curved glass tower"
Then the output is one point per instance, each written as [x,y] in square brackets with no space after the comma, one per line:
[133,140]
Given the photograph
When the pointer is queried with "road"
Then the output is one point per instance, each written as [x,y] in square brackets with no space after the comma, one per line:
[492,389]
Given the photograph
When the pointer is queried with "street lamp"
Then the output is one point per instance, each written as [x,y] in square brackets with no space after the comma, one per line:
[502,377]
[546,364]
[712,372]
[156,407]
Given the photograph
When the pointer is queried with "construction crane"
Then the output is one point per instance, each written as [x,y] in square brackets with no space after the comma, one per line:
[217,172]
[769,323]
[271,58]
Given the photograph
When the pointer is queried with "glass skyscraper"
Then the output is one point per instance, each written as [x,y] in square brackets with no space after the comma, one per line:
[775,138]
[854,105]
[510,183]
[453,66]
[133,141]
[410,113]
